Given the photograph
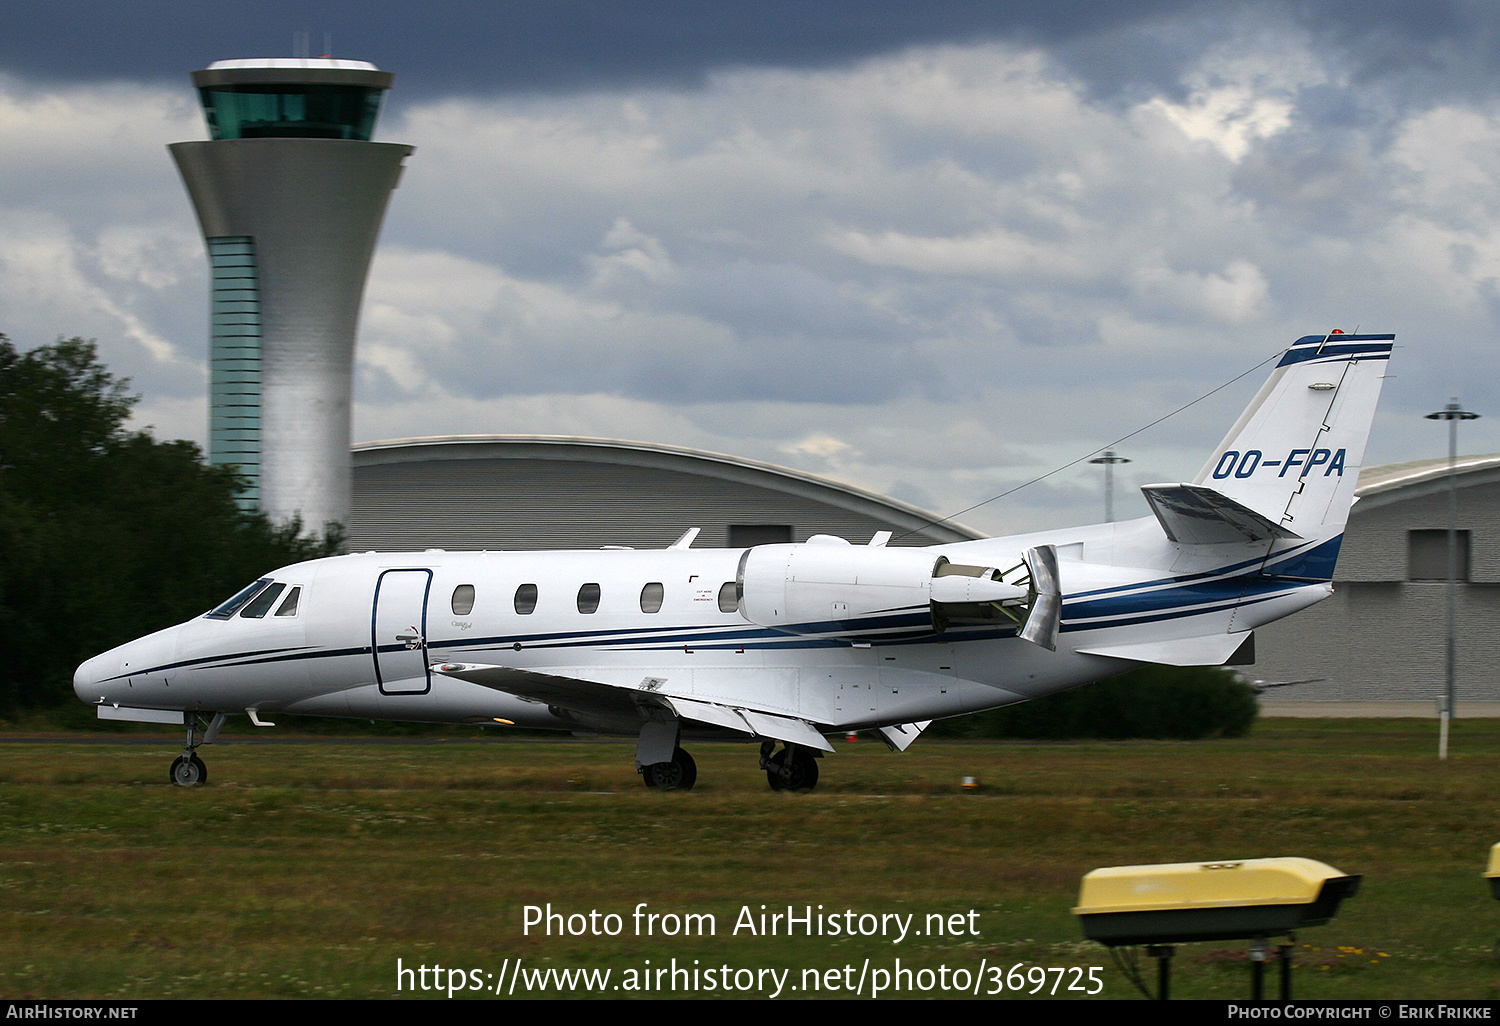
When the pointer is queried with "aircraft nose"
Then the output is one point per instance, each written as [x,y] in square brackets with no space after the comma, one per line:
[88,678]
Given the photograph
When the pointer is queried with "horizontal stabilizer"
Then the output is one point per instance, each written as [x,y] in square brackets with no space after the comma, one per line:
[1209,650]
[1199,515]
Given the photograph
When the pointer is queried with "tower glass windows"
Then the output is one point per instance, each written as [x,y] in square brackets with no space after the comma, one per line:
[234,364]
[291,111]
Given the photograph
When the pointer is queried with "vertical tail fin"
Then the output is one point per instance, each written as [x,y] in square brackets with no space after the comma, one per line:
[1295,454]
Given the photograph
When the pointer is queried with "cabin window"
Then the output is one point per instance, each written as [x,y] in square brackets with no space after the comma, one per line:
[288,606]
[463,600]
[261,604]
[588,598]
[226,610]
[651,596]
[526,599]
[728,597]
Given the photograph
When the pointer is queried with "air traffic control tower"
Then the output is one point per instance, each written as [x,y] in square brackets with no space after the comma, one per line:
[290,193]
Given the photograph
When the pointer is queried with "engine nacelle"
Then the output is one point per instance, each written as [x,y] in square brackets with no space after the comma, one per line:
[827,586]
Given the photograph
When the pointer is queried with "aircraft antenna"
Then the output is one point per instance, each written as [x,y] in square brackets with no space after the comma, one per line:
[1096,452]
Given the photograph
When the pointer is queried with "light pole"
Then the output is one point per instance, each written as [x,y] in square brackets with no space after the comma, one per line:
[1452,413]
[1109,459]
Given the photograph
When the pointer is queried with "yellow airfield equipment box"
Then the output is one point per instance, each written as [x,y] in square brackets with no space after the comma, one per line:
[1206,901]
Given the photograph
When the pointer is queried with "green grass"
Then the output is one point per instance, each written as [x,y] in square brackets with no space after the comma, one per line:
[308,869]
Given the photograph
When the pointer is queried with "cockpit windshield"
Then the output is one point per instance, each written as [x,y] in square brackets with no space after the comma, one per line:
[261,603]
[225,611]
[254,602]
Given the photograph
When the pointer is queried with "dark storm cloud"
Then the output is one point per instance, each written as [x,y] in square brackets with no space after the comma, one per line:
[939,243]
[1437,47]
[448,46]
[461,46]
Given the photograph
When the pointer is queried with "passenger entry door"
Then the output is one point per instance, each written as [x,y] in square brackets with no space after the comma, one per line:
[399,632]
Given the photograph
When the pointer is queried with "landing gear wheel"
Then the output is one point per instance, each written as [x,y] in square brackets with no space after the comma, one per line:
[792,769]
[188,771]
[678,775]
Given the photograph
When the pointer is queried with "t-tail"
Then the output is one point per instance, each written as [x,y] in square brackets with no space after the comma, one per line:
[1286,472]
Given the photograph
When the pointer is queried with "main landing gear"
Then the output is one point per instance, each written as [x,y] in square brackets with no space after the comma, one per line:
[187,769]
[664,766]
[678,775]
[794,768]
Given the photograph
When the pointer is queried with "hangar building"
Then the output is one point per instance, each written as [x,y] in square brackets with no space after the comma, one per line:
[548,492]
[1381,637]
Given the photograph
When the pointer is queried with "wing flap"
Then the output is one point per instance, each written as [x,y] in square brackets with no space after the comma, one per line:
[785,728]
[715,715]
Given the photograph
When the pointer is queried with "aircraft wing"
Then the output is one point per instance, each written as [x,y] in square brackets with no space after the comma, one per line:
[583,696]
[611,701]
[761,724]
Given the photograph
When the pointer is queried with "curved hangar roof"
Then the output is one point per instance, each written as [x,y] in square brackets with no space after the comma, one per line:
[1396,482]
[550,492]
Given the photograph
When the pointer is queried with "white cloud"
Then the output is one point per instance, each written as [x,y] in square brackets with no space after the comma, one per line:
[943,271]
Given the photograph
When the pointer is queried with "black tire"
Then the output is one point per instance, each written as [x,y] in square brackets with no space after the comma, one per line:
[188,771]
[792,770]
[807,772]
[678,775]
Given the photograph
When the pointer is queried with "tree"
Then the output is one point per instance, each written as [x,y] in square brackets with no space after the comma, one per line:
[106,534]
[1185,703]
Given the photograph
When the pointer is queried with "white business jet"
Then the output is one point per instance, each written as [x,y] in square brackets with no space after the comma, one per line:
[783,644]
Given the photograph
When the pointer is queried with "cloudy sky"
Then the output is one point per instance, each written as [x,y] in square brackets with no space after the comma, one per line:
[934,249]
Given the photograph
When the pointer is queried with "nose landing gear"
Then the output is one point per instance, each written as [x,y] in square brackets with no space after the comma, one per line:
[187,769]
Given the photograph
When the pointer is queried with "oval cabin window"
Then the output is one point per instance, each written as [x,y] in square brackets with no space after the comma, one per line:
[463,600]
